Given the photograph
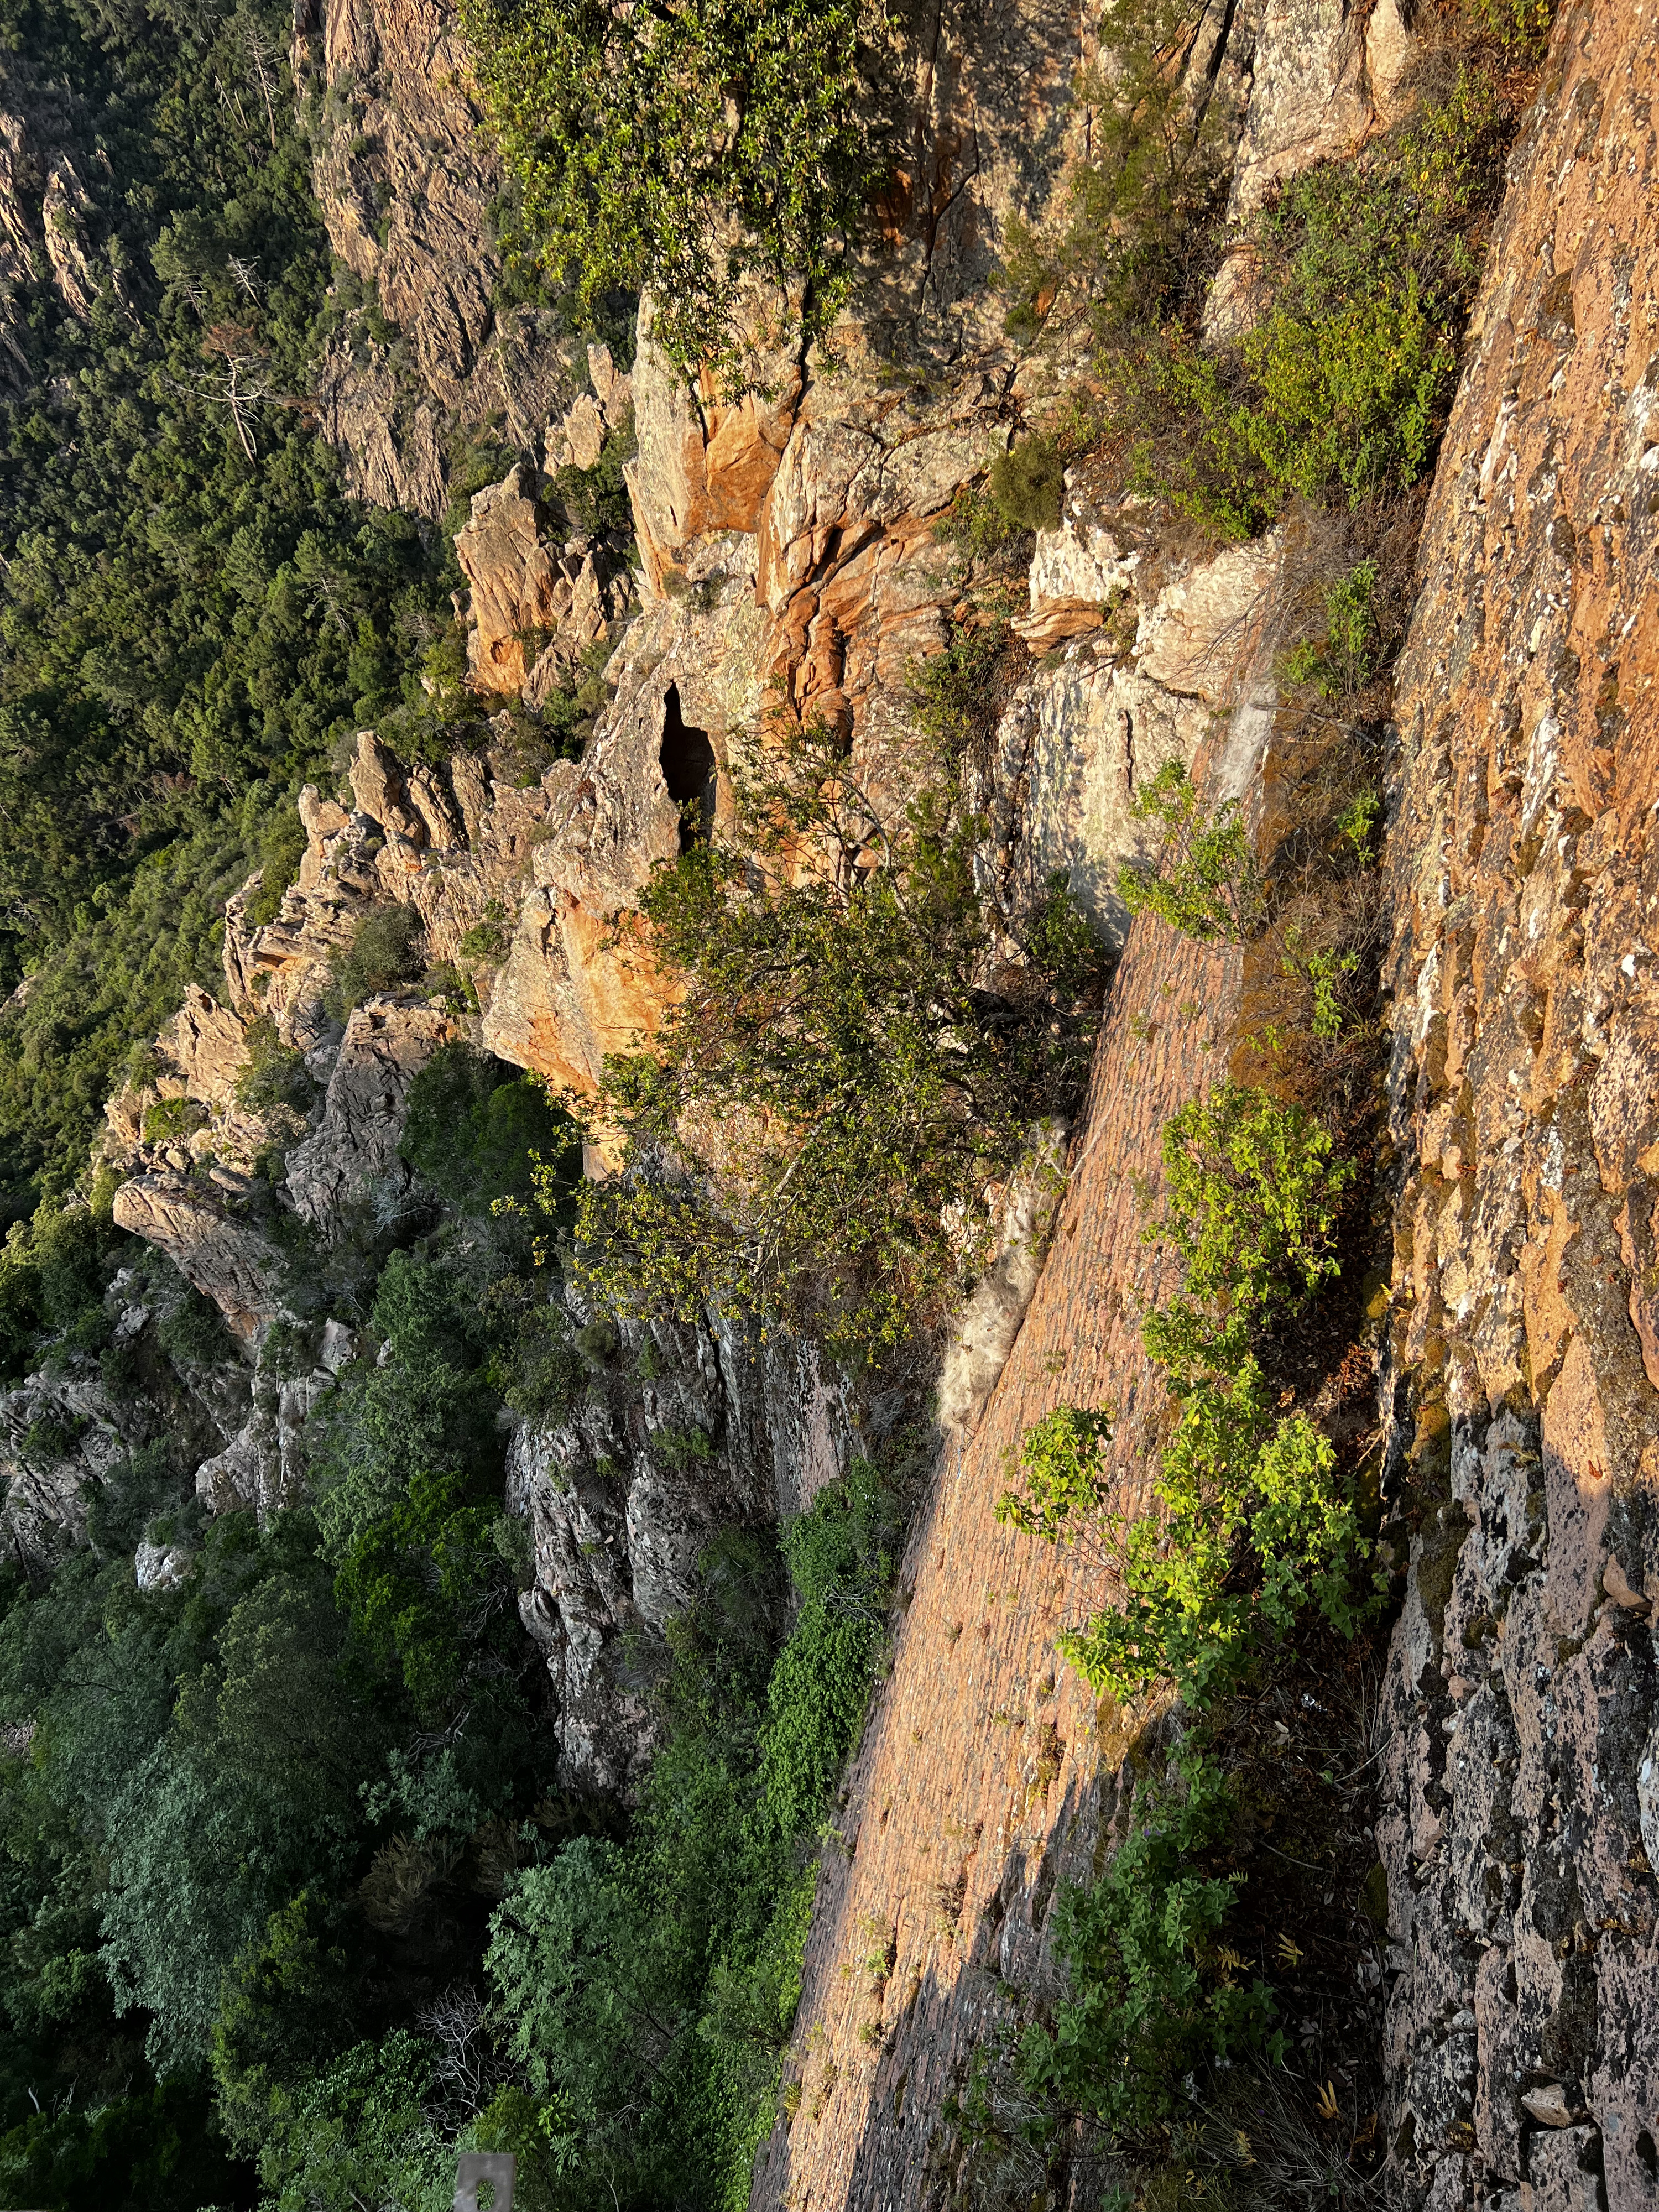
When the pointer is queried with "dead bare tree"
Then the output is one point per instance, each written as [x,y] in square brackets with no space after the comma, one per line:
[242,382]
[262,68]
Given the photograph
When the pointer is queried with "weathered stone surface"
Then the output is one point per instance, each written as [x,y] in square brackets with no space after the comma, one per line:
[1520,1700]
[351,1158]
[228,1260]
[624,1494]
[576,982]
[404,174]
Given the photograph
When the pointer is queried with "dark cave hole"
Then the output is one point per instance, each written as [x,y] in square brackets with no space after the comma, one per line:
[689,772]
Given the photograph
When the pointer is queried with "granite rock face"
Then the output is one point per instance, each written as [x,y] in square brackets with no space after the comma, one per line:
[1520,1710]
[404,175]
[684,1430]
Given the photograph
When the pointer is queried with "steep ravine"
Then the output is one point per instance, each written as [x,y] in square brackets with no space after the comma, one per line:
[1500,2010]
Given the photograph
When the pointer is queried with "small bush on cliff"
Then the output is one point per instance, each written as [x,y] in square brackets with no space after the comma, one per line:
[1367,268]
[1205,881]
[384,955]
[1256,1526]
[834,1066]
[1133,237]
[1153,1994]
[1028,485]
[680,149]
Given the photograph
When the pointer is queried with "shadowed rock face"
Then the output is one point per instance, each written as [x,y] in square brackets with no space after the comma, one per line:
[404,175]
[1520,1710]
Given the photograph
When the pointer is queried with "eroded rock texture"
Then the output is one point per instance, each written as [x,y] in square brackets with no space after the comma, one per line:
[1519,1708]
[683,1431]
[404,175]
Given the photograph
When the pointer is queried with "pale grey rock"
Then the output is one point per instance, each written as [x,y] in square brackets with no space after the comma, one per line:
[161,1566]
[353,1151]
[228,1259]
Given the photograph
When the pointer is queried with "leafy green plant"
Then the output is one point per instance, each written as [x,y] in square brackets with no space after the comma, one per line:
[1339,390]
[951,690]
[1206,882]
[1255,1527]
[384,955]
[169,1120]
[1153,1996]
[847,1080]
[1344,660]
[1522,26]
[275,1077]
[683,153]
[1027,484]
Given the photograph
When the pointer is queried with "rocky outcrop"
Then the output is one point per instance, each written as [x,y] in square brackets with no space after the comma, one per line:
[351,1156]
[523,584]
[229,1258]
[684,1430]
[1520,1713]
[404,175]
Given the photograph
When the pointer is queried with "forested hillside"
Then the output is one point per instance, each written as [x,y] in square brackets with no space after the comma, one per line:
[194,617]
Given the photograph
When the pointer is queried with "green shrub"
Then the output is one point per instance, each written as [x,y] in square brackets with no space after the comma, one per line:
[1028,485]
[1340,389]
[1344,660]
[1205,882]
[194,1329]
[479,1131]
[1134,236]
[1522,26]
[1254,1196]
[746,122]
[832,1066]
[281,849]
[274,1078]
[1255,1527]
[384,955]
[170,1120]
[1151,1998]
[952,690]
[596,501]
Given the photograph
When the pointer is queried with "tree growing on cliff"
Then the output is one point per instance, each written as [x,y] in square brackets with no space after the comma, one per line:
[683,145]
[849,1063]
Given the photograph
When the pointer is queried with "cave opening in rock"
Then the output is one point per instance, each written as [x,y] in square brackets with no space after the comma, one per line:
[688,770]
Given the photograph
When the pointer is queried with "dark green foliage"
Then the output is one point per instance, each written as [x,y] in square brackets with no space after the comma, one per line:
[651,1985]
[595,501]
[838,1053]
[681,151]
[1028,485]
[1149,2000]
[385,955]
[476,1129]
[1339,391]
[184,630]
[195,1330]
[158,2146]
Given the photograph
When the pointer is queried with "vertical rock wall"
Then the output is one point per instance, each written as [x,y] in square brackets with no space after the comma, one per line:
[1522,1824]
